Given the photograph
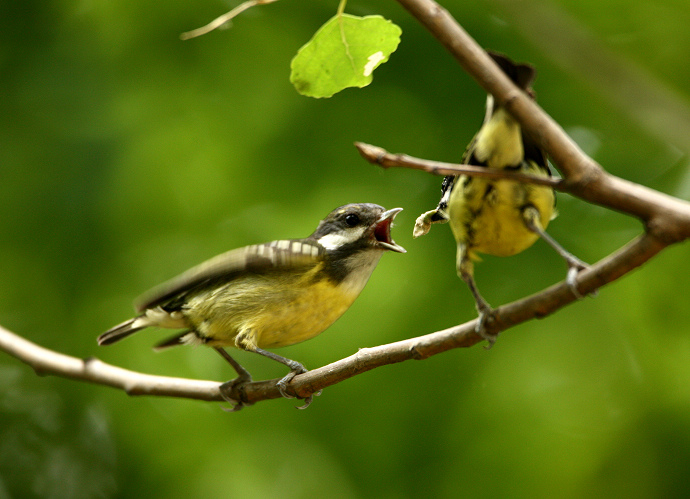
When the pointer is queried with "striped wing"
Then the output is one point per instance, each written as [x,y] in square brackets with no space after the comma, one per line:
[258,258]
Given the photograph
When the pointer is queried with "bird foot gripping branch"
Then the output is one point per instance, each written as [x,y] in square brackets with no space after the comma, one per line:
[484,320]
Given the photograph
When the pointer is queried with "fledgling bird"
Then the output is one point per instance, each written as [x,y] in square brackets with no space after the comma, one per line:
[269,295]
[497,216]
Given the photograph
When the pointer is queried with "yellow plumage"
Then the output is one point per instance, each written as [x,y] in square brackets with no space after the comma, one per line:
[269,295]
[487,215]
[497,216]
[267,311]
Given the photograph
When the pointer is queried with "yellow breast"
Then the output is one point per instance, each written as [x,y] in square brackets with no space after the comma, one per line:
[306,315]
[486,214]
[274,311]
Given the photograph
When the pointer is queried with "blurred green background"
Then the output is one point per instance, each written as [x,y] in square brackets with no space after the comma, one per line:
[126,156]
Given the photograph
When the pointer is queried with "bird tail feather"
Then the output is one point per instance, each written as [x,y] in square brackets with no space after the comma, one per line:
[121,331]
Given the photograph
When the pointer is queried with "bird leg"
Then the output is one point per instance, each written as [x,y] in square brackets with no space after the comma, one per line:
[243,377]
[575,265]
[295,369]
[246,341]
[486,313]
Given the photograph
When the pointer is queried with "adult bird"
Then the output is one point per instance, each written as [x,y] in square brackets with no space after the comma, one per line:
[497,216]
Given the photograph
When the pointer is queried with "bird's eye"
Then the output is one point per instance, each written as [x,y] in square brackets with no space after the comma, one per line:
[351,220]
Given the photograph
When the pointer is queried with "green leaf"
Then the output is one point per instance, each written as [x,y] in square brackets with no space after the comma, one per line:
[343,53]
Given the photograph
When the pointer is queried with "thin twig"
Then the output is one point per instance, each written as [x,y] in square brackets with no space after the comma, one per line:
[379,156]
[224,19]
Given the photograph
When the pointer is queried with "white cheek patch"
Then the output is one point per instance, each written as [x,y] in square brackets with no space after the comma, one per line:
[338,239]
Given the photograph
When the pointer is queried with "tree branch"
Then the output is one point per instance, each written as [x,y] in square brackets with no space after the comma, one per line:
[379,156]
[92,370]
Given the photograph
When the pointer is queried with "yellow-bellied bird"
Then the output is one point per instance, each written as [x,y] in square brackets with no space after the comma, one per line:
[269,295]
[497,216]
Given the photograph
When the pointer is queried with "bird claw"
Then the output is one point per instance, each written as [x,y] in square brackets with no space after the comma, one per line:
[486,315]
[282,387]
[227,388]
[308,400]
[236,406]
[571,281]
[282,384]
[575,265]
